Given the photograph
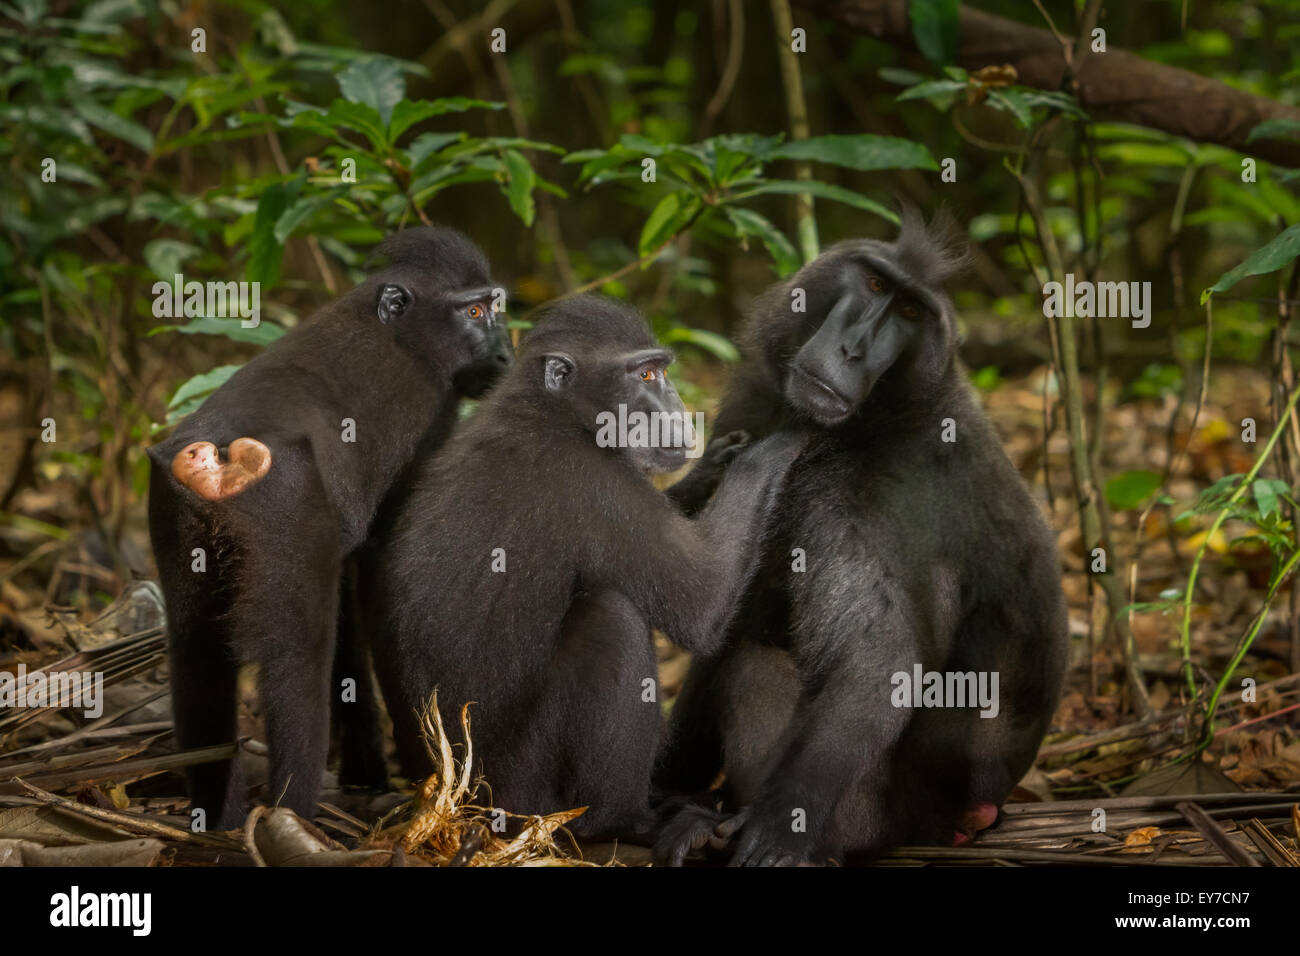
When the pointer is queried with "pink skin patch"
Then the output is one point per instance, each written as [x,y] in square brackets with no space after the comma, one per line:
[198,466]
[973,821]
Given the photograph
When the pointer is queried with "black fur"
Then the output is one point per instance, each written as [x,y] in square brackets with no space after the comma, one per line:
[918,551]
[555,652]
[275,552]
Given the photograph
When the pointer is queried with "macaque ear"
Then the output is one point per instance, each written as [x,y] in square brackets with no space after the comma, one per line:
[392,302]
[559,369]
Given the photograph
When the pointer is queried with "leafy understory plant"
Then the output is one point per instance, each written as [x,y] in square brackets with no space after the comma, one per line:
[709,185]
[373,178]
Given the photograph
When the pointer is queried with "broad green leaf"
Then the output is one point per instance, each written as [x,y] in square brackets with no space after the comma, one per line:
[1010,101]
[264,333]
[1275,129]
[58,122]
[1147,154]
[892,74]
[426,144]
[376,82]
[1276,255]
[297,214]
[439,179]
[750,223]
[264,251]
[934,27]
[409,112]
[112,11]
[863,151]
[124,129]
[30,12]
[821,191]
[931,88]
[192,393]
[595,169]
[641,145]
[358,116]
[1265,496]
[1129,490]
[518,186]
[87,214]
[164,257]
[668,218]
[719,346]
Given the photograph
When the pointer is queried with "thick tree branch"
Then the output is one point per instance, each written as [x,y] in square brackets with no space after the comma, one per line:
[1115,84]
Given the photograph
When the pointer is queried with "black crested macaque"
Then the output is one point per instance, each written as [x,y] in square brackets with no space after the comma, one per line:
[906,543]
[526,566]
[257,499]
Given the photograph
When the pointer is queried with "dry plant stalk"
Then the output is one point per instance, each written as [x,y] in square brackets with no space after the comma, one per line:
[443,819]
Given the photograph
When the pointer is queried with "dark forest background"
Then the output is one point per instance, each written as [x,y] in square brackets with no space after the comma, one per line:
[212,139]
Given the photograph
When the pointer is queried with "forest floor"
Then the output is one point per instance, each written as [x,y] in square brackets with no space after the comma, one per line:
[88,785]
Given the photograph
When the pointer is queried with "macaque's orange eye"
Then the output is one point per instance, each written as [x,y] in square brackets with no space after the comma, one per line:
[648,374]
[910,311]
[875,284]
[476,311]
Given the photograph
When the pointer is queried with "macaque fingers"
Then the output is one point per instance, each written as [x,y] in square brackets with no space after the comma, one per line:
[198,466]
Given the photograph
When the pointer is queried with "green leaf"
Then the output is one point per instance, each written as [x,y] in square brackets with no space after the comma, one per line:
[719,346]
[409,112]
[30,11]
[358,116]
[376,82]
[191,394]
[934,27]
[165,256]
[1277,254]
[297,214]
[1265,496]
[863,151]
[264,333]
[783,252]
[1275,129]
[668,218]
[518,187]
[89,213]
[1146,154]
[931,88]
[892,74]
[1010,101]
[426,144]
[821,191]
[1130,490]
[120,127]
[264,251]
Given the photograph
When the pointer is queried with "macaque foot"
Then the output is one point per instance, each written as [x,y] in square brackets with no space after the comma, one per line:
[970,823]
[198,466]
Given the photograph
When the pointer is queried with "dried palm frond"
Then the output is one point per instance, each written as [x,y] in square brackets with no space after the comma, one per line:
[447,828]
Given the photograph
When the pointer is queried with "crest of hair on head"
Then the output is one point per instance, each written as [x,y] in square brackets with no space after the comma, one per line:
[427,247]
[936,252]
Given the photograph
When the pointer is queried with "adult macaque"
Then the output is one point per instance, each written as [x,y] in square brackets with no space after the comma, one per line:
[527,563]
[905,539]
[259,497]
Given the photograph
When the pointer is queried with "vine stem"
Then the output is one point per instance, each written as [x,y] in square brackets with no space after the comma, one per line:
[797,107]
[1200,554]
[1246,642]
